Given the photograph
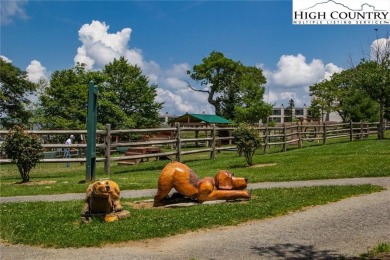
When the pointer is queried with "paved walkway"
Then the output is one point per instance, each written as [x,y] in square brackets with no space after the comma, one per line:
[384,181]
[345,228]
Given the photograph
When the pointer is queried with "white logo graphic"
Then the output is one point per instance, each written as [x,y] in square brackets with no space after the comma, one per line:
[357,12]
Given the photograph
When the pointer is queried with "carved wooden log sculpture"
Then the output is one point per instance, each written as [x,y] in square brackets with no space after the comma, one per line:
[224,186]
[102,197]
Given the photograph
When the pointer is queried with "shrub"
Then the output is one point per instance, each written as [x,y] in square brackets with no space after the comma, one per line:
[247,140]
[23,149]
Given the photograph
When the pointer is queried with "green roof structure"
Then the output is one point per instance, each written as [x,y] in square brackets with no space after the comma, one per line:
[201,119]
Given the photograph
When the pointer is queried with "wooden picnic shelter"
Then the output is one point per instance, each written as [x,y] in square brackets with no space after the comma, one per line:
[199,120]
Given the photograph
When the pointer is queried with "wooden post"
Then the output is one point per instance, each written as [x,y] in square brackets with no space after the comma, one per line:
[324,134]
[213,135]
[350,131]
[299,126]
[178,143]
[361,129]
[379,127]
[266,139]
[91,132]
[107,153]
[284,138]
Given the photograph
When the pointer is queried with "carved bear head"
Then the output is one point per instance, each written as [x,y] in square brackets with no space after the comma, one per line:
[101,189]
[225,180]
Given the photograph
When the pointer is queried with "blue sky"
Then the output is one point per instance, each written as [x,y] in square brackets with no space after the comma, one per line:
[165,38]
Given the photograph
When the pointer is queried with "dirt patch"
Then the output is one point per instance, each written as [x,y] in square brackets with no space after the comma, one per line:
[145,204]
[32,183]
[148,204]
[263,165]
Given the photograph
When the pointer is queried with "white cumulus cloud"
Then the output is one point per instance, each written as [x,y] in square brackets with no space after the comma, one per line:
[294,71]
[178,70]
[173,102]
[331,69]
[380,48]
[176,83]
[184,101]
[5,59]
[178,97]
[99,47]
[292,78]
[35,71]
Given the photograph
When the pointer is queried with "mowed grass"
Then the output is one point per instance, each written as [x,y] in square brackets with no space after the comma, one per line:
[365,158]
[57,224]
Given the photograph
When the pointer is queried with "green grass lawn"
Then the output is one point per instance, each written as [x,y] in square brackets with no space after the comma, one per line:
[366,158]
[57,224]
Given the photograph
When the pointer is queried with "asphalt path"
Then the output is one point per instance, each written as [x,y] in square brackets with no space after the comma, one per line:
[345,228]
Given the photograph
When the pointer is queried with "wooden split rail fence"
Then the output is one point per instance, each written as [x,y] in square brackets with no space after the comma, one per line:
[176,138]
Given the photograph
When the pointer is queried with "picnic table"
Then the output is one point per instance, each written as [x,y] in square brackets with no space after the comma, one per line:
[142,150]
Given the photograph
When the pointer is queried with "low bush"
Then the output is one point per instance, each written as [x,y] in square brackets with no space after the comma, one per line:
[24,149]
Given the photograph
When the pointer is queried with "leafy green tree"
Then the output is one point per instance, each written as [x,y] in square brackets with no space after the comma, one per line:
[343,95]
[314,111]
[230,85]
[23,149]
[110,113]
[374,77]
[125,99]
[133,94]
[247,140]
[360,108]
[14,89]
[324,97]
[217,72]
[64,101]
[251,108]
[353,103]
[289,111]
[38,118]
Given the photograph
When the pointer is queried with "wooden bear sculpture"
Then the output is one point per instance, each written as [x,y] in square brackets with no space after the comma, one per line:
[102,197]
[224,186]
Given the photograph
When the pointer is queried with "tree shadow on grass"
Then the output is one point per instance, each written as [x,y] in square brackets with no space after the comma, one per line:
[294,252]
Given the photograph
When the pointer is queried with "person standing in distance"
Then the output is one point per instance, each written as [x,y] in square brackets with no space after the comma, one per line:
[67,150]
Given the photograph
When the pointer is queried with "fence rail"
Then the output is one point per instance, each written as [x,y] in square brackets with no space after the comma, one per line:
[176,138]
